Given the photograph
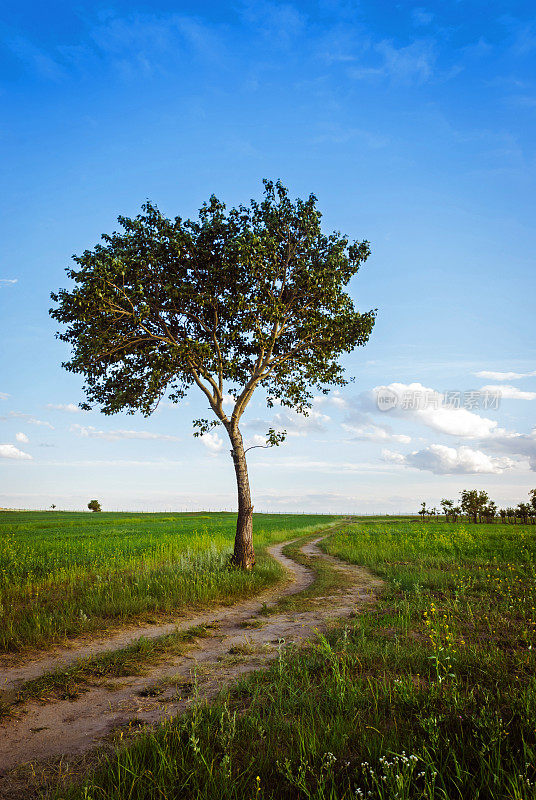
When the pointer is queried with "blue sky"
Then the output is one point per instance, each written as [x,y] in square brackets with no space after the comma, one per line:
[415,127]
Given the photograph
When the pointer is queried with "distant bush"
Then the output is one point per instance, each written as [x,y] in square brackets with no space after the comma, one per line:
[94,505]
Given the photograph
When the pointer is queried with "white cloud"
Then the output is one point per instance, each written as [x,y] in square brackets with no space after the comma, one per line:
[517,445]
[31,420]
[8,281]
[413,63]
[21,437]
[375,433]
[255,441]
[212,442]
[255,424]
[228,400]
[162,463]
[70,407]
[303,464]
[89,432]
[392,457]
[4,396]
[10,451]
[334,398]
[507,392]
[300,425]
[443,460]
[293,423]
[452,421]
[503,376]
[364,428]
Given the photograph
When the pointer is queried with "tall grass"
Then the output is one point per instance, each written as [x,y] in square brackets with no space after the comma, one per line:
[430,694]
[66,573]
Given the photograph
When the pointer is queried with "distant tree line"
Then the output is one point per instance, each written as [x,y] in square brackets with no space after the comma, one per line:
[476,506]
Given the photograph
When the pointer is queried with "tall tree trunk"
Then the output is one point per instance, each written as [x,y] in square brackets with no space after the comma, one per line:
[244,555]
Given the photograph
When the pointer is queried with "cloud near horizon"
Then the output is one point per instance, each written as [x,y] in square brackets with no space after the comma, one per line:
[516,445]
[89,432]
[443,460]
[10,451]
[503,376]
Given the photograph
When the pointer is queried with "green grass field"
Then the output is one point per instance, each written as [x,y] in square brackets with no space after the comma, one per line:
[63,574]
[429,694]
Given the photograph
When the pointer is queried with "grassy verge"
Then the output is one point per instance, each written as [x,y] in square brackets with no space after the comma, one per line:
[65,574]
[431,694]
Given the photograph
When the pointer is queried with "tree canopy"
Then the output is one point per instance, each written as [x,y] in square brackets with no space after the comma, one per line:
[473,501]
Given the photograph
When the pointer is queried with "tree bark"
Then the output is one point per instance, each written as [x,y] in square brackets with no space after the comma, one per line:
[244,555]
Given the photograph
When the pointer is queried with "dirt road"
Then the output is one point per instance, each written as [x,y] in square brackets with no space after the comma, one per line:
[243,638]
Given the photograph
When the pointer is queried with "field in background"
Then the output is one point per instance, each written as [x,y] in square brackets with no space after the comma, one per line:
[429,695]
[62,574]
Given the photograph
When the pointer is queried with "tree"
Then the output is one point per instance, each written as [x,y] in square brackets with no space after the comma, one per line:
[448,508]
[523,511]
[53,506]
[532,496]
[473,502]
[490,511]
[236,300]
[423,510]
[94,505]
